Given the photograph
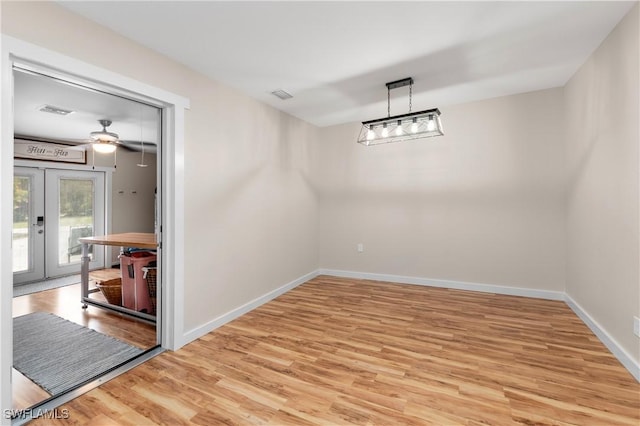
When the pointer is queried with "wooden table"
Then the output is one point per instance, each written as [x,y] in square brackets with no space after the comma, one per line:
[129,239]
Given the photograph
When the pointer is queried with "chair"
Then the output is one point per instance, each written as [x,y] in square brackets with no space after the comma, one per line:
[75,233]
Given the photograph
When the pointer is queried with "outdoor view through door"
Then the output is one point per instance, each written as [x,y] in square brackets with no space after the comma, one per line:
[77,314]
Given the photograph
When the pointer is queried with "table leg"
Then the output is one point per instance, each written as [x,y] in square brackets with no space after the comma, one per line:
[84,274]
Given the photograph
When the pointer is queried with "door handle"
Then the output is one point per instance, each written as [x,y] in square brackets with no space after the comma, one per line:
[40,221]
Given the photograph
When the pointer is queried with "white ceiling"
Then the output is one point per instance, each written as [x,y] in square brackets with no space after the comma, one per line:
[335,57]
[132,121]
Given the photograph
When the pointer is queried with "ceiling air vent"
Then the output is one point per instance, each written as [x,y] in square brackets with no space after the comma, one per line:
[54,110]
[282,94]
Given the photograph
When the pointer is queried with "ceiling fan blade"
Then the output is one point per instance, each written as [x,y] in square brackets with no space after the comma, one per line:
[149,147]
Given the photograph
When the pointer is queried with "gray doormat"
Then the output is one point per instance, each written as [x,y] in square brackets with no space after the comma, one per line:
[58,354]
[24,289]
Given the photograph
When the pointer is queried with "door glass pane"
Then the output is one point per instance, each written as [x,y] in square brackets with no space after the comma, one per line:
[75,218]
[21,228]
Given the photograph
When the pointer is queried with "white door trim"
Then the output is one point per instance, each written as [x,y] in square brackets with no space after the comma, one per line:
[35,236]
[171,183]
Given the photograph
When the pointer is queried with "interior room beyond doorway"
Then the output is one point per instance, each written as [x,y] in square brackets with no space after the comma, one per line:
[65,191]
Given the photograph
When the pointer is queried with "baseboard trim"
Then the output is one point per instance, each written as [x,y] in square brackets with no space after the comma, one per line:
[200,331]
[458,285]
[618,351]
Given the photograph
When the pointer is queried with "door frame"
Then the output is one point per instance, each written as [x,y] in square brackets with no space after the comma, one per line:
[170,184]
[36,244]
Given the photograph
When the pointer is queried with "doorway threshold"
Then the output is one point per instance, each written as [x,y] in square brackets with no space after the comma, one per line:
[42,285]
[47,408]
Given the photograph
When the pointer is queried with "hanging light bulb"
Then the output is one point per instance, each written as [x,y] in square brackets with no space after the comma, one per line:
[371,135]
[399,128]
[385,131]
[431,124]
[414,125]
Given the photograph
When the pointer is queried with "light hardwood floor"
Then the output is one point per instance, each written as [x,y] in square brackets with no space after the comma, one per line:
[339,351]
[65,302]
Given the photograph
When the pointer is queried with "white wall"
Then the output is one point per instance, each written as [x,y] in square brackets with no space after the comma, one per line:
[132,195]
[252,214]
[483,204]
[602,117]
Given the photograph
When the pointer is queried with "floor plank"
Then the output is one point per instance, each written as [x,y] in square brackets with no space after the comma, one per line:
[339,351]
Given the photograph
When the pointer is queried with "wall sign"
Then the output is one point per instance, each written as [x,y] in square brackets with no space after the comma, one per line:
[34,150]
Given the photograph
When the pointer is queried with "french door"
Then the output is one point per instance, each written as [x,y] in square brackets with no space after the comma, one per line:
[52,210]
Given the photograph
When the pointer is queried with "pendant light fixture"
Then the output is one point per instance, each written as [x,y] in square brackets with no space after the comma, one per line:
[413,125]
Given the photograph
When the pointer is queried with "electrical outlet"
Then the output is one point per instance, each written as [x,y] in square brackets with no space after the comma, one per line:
[360,247]
[636,326]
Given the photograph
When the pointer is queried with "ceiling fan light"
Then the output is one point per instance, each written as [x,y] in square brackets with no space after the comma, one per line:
[103,147]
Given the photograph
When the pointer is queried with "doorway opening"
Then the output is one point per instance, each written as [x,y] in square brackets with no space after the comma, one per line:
[57,206]
[171,206]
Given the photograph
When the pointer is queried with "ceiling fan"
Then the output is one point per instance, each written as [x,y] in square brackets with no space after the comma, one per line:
[101,141]
[106,142]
